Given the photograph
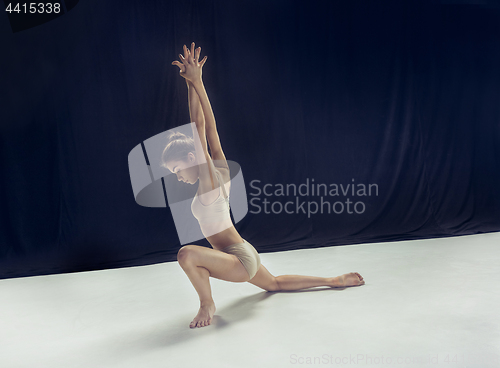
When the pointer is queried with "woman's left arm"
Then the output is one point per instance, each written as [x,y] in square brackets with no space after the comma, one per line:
[193,72]
[195,110]
[210,125]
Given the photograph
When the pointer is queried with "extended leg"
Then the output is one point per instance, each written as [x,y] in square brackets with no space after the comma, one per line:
[265,280]
[297,282]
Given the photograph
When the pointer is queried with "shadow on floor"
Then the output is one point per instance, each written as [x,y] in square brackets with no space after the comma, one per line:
[168,334]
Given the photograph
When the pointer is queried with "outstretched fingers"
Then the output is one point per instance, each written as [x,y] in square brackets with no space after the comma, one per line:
[180,65]
[183,59]
[202,62]
[192,56]
[186,54]
[182,68]
[192,53]
[197,53]
[190,67]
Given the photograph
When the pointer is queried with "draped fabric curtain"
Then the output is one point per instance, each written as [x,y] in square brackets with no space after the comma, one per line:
[352,122]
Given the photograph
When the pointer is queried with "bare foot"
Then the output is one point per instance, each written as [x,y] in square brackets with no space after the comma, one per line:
[204,316]
[348,279]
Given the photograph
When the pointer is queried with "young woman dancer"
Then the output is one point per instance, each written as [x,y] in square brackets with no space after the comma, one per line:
[232,258]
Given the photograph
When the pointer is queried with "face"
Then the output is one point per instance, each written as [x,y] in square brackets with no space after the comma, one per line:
[186,170]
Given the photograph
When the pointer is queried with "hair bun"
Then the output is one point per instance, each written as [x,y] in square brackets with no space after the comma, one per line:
[178,146]
[174,136]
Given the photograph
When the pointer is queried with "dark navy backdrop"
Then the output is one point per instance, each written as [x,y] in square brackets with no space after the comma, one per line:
[401,94]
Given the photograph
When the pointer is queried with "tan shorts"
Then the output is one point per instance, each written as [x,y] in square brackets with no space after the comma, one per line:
[247,255]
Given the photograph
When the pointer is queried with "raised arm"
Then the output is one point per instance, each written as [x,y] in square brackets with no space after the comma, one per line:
[196,114]
[197,117]
[195,110]
[190,69]
[210,126]
[208,117]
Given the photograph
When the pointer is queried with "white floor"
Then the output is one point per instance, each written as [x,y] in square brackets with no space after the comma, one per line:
[426,303]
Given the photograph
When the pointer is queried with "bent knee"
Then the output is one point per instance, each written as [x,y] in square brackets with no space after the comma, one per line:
[186,254]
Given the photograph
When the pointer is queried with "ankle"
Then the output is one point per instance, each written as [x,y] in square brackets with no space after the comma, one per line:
[337,281]
[206,303]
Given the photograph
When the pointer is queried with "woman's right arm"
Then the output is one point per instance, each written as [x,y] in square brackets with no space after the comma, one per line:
[206,167]
[193,73]
[210,125]
[196,114]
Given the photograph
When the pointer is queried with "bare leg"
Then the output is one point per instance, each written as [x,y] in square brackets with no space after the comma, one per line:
[265,280]
[199,277]
[297,282]
[199,263]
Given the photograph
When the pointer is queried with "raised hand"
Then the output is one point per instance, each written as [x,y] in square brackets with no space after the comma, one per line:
[190,68]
